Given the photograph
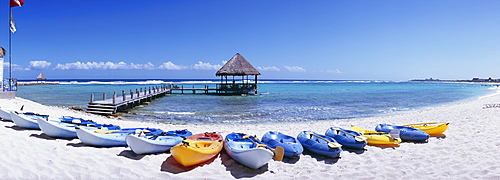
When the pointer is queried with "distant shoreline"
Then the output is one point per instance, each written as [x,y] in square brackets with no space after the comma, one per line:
[473,80]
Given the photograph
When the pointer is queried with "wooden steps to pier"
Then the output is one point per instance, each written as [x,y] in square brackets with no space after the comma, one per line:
[124,102]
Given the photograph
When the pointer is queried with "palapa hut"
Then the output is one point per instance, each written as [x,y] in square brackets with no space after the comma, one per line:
[41,77]
[237,66]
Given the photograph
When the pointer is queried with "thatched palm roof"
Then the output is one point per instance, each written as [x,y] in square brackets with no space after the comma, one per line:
[237,66]
[41,76]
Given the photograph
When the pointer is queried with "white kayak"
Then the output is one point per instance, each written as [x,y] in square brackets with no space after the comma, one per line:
[147,144]
[246,151]
[102,137]
[27,120]
[64,127]
[5,114]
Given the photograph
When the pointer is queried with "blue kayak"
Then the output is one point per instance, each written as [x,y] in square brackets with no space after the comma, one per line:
[405,133]
[348,138]
[247,150]
[319,144]
[290,144]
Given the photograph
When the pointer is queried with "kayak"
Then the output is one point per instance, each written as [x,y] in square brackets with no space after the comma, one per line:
[147,144]
[433,129]
[105,137]
[5,114]
[405,133]
[64,127]
[319,144]
[197,148]
[247,151]
[375,138]
[348,138]
[27,120]
[290,144]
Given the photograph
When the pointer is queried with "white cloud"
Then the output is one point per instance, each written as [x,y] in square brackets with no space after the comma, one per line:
[103,66]
[206,66]
[336,71]
[39,64]
[15,67]
[171,66]
[124,66]
[268,68]
[148,66]
[295,69]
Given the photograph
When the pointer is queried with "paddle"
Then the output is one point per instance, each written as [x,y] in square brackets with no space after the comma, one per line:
[279,152]
[357,138]
[329,143]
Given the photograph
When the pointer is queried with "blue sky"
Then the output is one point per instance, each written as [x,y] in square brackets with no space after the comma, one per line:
[177,39]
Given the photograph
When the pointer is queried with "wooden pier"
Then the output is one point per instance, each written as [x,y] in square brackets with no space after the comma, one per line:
[124,102]
[205,89]
[131,99]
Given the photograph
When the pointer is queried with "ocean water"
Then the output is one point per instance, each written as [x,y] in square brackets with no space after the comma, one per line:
[276,101]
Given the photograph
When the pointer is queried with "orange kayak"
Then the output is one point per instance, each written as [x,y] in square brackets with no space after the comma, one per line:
[433,129]
[197,148]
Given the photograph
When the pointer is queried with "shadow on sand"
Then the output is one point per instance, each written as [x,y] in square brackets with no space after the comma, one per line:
[239,171]
[47,137]
[131,155]
[290,160]
[328,160]
[172,166]
[356,151]
[439,136]
[17,128]
[5,120]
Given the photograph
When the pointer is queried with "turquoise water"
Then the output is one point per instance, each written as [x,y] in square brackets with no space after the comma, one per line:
[276,101]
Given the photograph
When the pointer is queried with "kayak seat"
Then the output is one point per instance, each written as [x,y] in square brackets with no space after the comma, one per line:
[246,145]
[310,142]
[290,140]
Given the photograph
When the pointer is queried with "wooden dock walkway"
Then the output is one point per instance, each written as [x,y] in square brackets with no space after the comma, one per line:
[110,106]
[124,102]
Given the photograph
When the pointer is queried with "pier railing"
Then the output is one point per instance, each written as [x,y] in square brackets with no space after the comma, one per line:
[125,100]
[108,106]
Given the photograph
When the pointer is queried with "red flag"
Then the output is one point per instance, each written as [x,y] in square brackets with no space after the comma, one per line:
[14,3]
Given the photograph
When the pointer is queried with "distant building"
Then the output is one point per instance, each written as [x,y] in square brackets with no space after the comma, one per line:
[41,77]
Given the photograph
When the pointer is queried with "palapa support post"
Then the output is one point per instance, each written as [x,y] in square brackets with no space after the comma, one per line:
[123,95]
[91,98]
[103,96]
[114,97]
[131,94]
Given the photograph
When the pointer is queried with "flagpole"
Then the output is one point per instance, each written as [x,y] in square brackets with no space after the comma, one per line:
[10,49]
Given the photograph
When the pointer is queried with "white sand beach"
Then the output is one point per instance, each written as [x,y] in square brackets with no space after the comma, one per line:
[470,150]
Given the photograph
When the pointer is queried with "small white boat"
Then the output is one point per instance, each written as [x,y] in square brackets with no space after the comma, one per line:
[144,144]
[64,127]
[103,137]
[5,114]
[27,120]
[246,151]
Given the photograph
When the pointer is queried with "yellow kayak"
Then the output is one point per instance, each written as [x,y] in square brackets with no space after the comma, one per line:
[433,129]
[375,138]
[197,150]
